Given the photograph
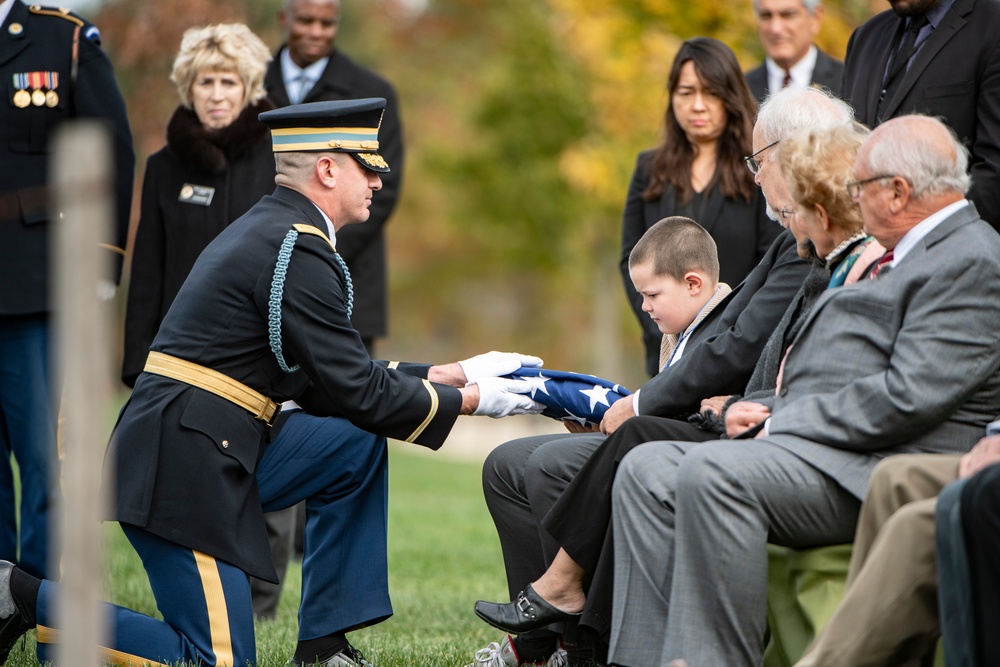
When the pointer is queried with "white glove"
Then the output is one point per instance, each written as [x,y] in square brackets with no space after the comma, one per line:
[499,397]
[495,364]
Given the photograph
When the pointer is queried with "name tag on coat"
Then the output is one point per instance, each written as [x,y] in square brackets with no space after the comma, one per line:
[196,194]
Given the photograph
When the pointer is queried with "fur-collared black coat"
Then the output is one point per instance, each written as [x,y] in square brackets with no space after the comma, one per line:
[235,167]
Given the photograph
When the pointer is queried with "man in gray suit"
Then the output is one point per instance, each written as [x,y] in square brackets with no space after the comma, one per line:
[904,363]
[787,29]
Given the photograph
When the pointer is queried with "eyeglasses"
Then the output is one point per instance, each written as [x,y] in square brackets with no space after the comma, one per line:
[786,212]
[752,164]
[854,187]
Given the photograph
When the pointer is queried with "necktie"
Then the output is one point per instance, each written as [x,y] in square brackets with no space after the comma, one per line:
[900,58]
[787,81]
[882,266]
[348,285]
[300,85]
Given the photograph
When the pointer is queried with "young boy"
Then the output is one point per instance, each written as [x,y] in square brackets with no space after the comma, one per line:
[675,268]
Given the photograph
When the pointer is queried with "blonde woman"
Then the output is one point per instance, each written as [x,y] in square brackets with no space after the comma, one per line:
[817,164]
[217,163]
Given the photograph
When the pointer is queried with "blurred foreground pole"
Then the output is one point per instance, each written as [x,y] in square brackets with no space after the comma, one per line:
[80,173]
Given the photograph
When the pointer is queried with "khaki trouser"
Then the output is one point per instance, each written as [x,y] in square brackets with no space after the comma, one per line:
[889,612]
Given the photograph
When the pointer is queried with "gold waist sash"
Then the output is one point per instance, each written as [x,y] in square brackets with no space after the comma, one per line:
[260,406]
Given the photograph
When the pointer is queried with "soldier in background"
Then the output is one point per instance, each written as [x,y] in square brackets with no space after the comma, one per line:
[52,70]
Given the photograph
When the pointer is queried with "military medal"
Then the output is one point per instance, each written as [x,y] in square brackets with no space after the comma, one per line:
[22,97]
[51,82]
[37,94]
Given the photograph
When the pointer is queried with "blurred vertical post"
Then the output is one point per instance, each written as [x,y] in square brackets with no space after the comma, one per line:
[81,174]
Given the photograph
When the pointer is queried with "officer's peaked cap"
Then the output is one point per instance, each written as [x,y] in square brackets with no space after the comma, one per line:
[340,126]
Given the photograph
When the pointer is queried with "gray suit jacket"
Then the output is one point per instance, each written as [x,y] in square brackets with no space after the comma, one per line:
[905,363]
[828,73]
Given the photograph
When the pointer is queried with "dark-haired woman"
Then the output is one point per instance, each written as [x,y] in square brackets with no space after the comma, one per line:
[698,171]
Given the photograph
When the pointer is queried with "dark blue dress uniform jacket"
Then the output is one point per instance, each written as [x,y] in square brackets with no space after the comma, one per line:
[184,458]
[44,43]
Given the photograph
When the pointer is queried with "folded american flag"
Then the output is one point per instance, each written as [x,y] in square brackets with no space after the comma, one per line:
[571,396]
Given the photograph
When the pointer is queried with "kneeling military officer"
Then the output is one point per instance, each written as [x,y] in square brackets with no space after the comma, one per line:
[201,450]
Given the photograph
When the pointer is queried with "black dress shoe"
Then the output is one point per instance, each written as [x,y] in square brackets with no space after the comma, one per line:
[349,657]
[12,622]
[528,612]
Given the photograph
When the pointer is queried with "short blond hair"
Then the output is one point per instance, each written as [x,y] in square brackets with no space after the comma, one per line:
[817,164]
[224,47]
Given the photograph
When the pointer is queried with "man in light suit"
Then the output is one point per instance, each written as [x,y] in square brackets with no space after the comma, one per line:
[953,72]
[787,29]
[904,363]
[889,612]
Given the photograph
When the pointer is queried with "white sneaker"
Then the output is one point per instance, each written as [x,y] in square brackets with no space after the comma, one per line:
[558,657]
[497,655]
[505,655]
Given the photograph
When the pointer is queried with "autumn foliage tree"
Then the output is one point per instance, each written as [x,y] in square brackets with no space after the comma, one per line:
[522,120]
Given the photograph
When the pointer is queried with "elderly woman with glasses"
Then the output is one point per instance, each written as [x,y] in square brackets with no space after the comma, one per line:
[825,221]
[697,171]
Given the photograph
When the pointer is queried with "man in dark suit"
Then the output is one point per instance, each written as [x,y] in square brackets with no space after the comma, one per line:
[201,449]
[869,375]
[935,57]
[309,68]
[54,70]
[523,478]
[787,29]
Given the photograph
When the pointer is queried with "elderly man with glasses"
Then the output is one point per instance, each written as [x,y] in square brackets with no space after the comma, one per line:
[903,364]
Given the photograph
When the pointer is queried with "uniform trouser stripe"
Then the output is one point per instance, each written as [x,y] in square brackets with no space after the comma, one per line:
[218,614]
[46,635]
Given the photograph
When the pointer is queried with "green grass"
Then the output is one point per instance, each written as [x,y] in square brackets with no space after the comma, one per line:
[443,555]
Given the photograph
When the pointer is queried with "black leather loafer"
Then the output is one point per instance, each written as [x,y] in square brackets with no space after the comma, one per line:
[528,612]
